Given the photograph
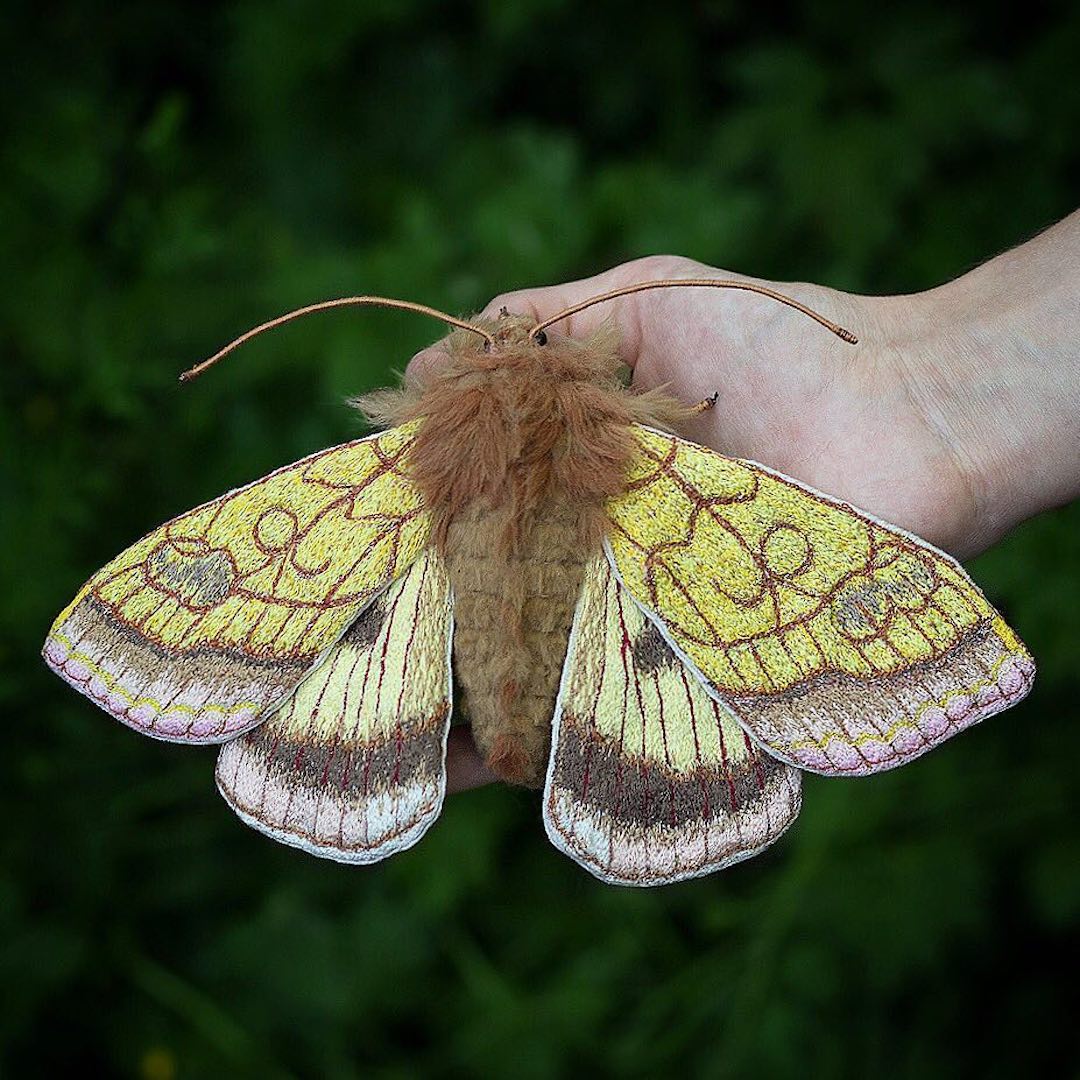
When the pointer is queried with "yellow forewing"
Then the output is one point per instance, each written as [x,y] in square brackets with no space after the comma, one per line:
[842,643]
[195,630]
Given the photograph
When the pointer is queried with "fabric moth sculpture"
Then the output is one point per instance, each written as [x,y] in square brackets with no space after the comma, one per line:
[659,636]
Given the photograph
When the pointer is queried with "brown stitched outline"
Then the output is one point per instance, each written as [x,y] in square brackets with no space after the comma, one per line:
[424,812]
[805,622]
[802,620]
[368,748]
[666,467]
[350,492]
[587,733]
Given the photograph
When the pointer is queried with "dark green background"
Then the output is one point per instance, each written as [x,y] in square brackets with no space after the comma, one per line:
[172,177]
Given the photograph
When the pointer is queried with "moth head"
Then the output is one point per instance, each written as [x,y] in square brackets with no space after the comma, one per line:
[518,347]
[513,331]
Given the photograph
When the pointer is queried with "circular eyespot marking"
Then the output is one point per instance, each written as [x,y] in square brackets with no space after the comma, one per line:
[275,530]
[861,608]
[786,551]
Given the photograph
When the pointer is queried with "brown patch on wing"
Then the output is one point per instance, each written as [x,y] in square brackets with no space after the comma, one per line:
[365,629]
[633,822]
[200,580]
[206,694]
[835,723]
[651,652]
[347,772]
[643,792]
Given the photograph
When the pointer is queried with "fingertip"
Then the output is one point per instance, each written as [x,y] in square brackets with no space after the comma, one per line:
[427,360]
[521,302]
[543,302]
[465,768]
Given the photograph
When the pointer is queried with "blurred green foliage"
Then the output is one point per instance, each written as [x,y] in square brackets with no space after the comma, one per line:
[173,174]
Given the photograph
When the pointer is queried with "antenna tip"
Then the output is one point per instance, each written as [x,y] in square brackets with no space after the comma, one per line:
[186,376]
[846,335]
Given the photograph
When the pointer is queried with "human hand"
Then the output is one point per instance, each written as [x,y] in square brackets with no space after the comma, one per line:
[911,424]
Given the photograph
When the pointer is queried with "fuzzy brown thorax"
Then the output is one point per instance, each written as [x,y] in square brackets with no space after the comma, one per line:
[522,445]
[510,426]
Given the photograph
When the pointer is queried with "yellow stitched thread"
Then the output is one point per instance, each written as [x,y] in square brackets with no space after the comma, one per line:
[364,691]
[763,583]
[279,566]
[63,616]
[113,687]
[859,740]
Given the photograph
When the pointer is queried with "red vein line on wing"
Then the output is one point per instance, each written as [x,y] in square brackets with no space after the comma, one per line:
[624,648]
[725,765]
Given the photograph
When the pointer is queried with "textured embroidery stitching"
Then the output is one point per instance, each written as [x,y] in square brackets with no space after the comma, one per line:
[650,780]
[895,648]
[774,592]
[352,766]
[114,687]
[902,725]
[200,627]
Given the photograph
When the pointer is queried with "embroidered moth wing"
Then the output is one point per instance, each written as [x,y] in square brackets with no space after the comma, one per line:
[843,645]
[316,577]
[739,625]
[352,766]
[651,779]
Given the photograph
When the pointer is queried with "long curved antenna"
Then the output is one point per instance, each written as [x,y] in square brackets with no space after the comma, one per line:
[345,301]
[696,283]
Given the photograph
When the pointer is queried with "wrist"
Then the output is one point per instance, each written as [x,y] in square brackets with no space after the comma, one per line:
[914,367]
[967,367]
[999,346]
[928,342]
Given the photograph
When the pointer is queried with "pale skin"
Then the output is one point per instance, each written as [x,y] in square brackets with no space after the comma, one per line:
[956,417]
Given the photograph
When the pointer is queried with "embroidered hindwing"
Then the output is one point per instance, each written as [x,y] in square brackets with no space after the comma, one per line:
[352,767]
[651,780]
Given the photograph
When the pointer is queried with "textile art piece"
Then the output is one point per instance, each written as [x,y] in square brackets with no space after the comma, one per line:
[659,636]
